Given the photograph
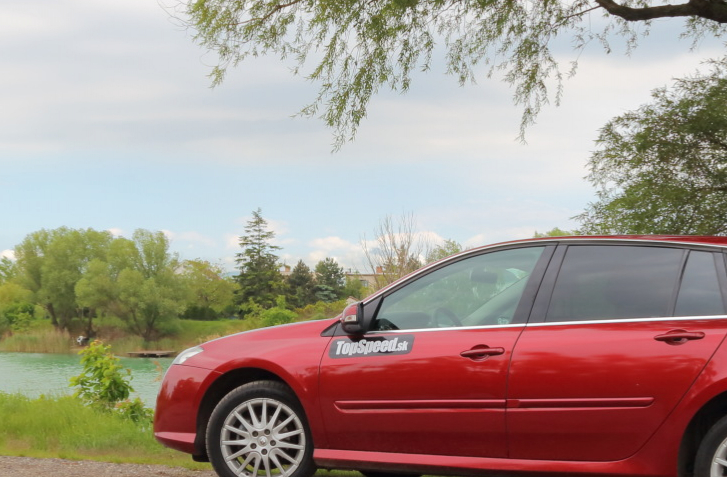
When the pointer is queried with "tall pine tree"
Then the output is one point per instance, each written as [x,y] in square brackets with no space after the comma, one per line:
[301,286]
[260,279]
[331,279]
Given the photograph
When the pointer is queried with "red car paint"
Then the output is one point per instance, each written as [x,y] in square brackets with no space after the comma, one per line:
[598,397]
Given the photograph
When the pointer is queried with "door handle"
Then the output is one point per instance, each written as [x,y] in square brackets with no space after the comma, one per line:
[679,336]
[482,352]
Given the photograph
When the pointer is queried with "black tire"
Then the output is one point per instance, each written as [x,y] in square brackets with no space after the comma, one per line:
[260,427]
[713,448]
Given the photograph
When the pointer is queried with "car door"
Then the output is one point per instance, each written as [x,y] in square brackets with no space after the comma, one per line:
[429,377]
[623,331]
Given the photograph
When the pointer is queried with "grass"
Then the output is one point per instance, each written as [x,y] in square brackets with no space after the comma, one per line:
[43,338]
[62,427]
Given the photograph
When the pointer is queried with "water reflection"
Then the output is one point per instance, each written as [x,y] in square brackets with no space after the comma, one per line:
[33,374]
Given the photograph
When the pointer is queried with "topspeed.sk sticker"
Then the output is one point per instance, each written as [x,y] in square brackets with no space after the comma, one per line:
[379,346]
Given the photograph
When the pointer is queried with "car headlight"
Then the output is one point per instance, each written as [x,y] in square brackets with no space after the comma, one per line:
[186,354]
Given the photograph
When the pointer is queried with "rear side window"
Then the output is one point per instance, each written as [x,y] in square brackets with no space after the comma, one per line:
[699,294]
[598,282]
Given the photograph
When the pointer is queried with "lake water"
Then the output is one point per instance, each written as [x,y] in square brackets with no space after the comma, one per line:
[33,374]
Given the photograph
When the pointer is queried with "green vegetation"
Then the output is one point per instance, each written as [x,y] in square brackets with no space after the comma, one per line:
[105,385]
[259,279]
[449,247]
[354,48]
[64,427]
[555,232]
[662,168]
[135,294]
[42,337]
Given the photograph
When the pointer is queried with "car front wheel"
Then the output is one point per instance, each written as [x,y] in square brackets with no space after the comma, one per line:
[259,429]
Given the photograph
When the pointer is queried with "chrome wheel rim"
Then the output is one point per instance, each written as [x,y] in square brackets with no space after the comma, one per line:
[262,437]
[719,461]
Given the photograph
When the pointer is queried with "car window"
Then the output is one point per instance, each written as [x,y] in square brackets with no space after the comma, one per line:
[699,294]
[615,282]
[476,291]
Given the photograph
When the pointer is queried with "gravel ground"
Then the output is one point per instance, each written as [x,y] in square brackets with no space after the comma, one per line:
[29,467]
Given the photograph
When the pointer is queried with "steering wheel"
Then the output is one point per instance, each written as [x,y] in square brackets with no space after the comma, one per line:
[446,314]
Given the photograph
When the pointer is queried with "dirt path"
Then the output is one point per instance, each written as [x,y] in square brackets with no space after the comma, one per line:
[29,467]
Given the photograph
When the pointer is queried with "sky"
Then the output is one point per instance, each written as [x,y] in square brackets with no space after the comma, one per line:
[108,121]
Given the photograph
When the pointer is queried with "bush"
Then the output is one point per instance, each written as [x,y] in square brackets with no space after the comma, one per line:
[278,315]
[321,310]
[19,316]
[103,384]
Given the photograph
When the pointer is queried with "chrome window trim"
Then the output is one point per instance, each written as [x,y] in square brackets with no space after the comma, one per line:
[557,323]
[630,320]
[448,328]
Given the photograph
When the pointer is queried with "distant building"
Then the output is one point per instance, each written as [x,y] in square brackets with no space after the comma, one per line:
[368,280]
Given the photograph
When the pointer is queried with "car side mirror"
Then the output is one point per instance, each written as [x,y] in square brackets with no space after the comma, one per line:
[352,319]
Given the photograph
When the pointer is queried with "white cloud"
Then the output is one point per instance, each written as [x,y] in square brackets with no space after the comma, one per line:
[349,255]
[232,241]
[190,239]
[29,20]
[328,244]
[8,254]
[115,231]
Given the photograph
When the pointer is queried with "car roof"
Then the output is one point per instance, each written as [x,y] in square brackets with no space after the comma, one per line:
[682,239]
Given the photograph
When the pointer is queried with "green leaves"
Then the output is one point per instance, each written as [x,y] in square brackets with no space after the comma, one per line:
[259,278]
[105,384]
[137,283]
[51,262]
[663,168]
[360,46]
[103,381]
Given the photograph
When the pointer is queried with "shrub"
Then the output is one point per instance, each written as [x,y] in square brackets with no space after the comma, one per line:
[279,314]
[105,384]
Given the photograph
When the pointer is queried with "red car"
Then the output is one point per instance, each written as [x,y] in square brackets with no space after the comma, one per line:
[579,355]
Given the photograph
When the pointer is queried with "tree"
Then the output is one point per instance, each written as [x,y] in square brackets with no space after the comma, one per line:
[555,232]
[301,286]
[16,307]
[8,269]
[329,274]
[354,288]
[396,250]
[138,284]
[449,247]
[51,262]
[259,279]
[357,47]
[210,294]
[663,168]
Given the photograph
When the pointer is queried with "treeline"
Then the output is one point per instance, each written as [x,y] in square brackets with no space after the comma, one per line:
[73,277]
